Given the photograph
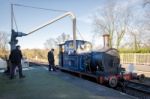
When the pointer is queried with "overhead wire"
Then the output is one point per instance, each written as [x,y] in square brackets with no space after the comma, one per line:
[55,10]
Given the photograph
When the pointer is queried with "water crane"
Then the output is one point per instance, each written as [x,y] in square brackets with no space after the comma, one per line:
[15,34]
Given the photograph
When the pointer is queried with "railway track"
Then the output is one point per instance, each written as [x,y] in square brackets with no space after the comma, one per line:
[139,90]
[138,86]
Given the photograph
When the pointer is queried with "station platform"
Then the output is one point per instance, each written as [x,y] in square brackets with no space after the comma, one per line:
[42,84]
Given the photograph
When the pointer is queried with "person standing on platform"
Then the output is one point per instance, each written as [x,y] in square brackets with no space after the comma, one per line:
[15,59]
[51,60]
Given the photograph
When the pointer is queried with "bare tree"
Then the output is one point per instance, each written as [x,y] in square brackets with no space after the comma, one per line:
[3,45]
[112,19]
[50,43]
[135,37]
[139,27]
[62,38]
[146,5]
[146,15]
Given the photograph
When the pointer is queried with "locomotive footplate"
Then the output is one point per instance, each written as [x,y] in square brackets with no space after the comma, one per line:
[83,75]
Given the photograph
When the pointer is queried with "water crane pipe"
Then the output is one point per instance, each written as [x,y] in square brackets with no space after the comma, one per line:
[73,17]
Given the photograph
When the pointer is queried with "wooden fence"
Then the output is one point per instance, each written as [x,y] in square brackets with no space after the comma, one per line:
[135,58]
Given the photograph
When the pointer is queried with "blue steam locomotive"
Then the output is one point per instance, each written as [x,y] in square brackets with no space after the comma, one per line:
[103,64]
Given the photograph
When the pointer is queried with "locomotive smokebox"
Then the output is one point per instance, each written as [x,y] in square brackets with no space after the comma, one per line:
[107,59]
[106,38]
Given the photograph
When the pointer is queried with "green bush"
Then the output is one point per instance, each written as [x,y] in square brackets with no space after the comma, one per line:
[140,50]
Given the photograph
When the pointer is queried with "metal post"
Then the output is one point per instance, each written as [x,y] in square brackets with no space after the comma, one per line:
[11,17]
[74,34]
[11,43]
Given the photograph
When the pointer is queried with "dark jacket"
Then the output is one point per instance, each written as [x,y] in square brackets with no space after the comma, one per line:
[50,56]
[15,56]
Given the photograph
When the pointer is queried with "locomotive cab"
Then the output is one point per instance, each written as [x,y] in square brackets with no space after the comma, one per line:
[81,47]
[69,58]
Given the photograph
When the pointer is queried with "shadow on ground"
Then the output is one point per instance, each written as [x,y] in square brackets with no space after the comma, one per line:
[41,84]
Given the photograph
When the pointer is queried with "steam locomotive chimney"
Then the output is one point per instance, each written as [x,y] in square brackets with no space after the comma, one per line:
[106,40]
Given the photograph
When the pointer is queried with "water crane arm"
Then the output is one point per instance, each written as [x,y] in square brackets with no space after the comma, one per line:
[56,19]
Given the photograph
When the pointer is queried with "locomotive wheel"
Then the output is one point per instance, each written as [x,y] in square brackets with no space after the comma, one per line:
[113,82]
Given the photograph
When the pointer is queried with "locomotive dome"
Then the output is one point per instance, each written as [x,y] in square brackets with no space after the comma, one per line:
[110,51]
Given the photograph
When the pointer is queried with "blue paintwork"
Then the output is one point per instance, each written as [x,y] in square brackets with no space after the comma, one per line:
[99,63]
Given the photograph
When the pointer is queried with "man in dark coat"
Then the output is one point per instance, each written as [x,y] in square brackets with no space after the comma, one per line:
[51,60]
[15,59]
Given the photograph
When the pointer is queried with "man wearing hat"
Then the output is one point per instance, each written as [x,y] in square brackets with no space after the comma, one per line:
[15,59]
[51,60]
